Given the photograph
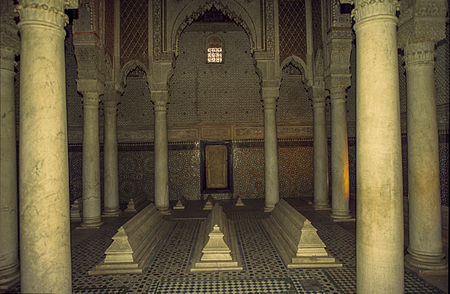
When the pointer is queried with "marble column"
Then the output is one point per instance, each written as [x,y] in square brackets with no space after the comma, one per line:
[160,99]
[91,162]
[45,264]
[379,227]
[340,186]
[320,151]
[425,243]
[111,174]
[9,242]
[270,149]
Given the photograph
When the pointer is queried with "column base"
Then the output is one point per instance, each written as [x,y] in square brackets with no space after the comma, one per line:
[111,213]
[75,219]
[268,208]
[342,216]
[164,211]
[321,206]
[90,225]
[422,262]
[9,277]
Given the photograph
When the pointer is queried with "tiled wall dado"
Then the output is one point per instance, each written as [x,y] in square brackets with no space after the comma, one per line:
[136,170]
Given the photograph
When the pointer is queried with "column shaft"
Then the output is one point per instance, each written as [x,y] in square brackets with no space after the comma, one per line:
[339,155]
[9,242]
[320,155]
[44,181]
[91,162]
[161,157]
[379,228]
[425,243]
[111,175]
[270,154]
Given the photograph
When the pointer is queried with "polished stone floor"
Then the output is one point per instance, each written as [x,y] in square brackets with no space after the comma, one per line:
[264,271]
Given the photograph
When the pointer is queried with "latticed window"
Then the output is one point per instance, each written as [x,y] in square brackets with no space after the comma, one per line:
[214,50]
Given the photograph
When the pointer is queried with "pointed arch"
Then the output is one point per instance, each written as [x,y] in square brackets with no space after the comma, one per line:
[232,9]
[129,67]
[297,62]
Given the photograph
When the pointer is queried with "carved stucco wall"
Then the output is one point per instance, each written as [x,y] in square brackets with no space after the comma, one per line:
[205,94]
[256,17]
[136,112]
[214,93]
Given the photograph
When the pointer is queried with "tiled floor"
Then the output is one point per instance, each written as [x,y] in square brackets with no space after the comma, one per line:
[264,271]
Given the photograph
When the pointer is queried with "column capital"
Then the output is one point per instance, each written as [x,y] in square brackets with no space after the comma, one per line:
[334,82]
[160,100]
[270,103]
[369,9]
[159,96]
[270,89]
[419,53]
[339,56]
[49,13]
[422,21]
[319,96]
[91,98]
[90,85]
[111,101]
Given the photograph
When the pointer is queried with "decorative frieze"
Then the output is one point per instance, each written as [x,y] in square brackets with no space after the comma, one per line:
[338,19]
[365,9]
[40,11]
[86,17]
[421,21]
[419,53]
[216,133]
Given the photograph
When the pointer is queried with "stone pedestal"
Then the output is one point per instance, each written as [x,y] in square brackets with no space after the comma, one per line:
[425,243]
[9,243]
[44,181]
[320,152]
[270,152]
[340,186]
[161,151]
[111,174]
[379,227]
[91,163]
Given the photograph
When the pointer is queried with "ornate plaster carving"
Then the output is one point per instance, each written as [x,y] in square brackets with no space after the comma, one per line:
[365,9]
[338,81]
[233,11]
[165,43]
[297,62]
[51,14]
[129,67]
[85,86]
[159,99]
[9,38]
[340,51]
[421,21]
[90,61]
[108,68]
[86,17]
[419,53]
[318,67]
[159,75]
[339,20]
